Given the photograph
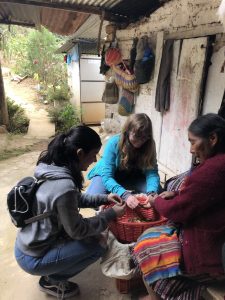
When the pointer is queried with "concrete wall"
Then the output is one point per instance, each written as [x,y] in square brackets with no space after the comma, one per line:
[177,19]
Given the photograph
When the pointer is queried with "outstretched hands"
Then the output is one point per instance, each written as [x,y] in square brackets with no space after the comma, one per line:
[114,198]
[165,195]
[119,207]
[132,201]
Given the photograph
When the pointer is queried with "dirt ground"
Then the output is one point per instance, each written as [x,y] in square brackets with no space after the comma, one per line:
[25,94]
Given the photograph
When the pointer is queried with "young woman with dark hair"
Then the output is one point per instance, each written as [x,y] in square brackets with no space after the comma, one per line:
[128,163]
[63,244]
[199,210]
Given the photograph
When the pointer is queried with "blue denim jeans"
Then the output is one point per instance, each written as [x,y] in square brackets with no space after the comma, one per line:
[135,182]
[63,261]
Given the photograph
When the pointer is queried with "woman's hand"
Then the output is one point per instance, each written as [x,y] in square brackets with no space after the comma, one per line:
[119,209]
[114,198]
[151,199]
[167,194]
[132,202]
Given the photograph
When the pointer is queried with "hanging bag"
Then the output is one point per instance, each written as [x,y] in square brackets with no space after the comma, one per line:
[126,103]
[123,76]
[145,62]
[111,93]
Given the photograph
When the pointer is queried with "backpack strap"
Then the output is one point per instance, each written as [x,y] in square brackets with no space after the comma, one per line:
[45,214]
[38,217]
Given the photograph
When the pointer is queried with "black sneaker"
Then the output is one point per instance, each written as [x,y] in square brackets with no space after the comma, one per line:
[61,290]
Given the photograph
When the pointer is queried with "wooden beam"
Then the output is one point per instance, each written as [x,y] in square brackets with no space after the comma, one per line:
[88,9]
[8,22]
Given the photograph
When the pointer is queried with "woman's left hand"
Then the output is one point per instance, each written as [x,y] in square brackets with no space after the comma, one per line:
[114,198]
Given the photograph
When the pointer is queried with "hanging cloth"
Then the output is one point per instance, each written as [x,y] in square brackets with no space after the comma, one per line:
[133,53]
[162,98]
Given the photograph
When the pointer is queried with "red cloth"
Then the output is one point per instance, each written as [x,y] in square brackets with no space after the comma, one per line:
[200,208]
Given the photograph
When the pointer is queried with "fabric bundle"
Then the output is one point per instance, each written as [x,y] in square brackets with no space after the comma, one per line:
[179,288]
[177,182]
[158,253]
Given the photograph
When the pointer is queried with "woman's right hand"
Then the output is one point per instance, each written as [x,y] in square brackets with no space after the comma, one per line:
[119,209]
[132,202]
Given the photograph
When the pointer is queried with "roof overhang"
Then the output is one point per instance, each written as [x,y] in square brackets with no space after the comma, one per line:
[66,16]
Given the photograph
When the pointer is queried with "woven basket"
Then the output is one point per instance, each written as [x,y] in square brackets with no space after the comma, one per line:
[125,79]
[127,230]
[147,214]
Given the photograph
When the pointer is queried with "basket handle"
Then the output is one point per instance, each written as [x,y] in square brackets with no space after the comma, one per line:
[126,69]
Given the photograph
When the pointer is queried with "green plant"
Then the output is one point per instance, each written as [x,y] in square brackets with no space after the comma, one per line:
[34,52]
[18,121]
[6,154]
[57,93]
[65,117]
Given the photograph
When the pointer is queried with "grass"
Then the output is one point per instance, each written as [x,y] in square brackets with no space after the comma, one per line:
[5,154]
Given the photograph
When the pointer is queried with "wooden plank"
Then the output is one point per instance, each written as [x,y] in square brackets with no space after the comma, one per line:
[186,81]
[215,85]
[156,116]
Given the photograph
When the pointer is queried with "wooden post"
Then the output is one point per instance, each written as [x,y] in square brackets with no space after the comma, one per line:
[4,117]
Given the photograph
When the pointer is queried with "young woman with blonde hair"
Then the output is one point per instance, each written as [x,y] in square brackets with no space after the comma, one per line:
[128,163]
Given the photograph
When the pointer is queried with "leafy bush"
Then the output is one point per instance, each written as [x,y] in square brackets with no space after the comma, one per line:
[59,93]
[18,121]
[64,117]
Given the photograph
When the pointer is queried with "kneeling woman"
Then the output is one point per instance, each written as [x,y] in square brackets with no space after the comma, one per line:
[199,209]
[128,162]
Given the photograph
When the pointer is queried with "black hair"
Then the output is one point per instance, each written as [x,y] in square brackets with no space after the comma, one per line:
[61,150]
[204,126]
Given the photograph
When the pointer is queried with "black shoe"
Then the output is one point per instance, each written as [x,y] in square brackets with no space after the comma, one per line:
[61,290]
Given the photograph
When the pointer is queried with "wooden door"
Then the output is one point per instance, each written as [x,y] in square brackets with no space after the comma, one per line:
[186,79]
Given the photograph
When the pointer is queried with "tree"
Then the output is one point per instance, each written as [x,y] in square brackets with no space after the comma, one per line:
[4,117]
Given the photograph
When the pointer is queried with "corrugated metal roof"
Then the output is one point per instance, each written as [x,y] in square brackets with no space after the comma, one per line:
[89,29]
[58,21]
[66,16]
[24,14]
[88,33]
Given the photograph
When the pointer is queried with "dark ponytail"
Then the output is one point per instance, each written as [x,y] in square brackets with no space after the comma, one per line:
[62,150]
